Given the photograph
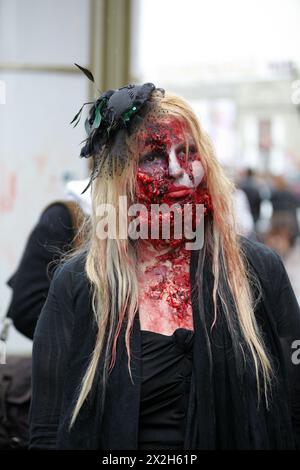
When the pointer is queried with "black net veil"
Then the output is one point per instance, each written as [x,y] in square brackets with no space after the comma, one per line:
[116,154]
[113,121]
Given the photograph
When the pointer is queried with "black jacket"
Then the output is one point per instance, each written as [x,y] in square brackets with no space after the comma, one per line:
[222,411]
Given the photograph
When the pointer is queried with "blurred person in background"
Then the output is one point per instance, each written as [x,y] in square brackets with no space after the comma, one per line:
[285,202]
[244,218]
[251,188]
[281,233]
[280,236]
[55,233]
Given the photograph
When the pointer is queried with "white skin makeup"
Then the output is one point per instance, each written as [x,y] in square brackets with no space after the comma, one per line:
[180,174]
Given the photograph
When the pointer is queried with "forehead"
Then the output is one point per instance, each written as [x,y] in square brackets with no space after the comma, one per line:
[164,133]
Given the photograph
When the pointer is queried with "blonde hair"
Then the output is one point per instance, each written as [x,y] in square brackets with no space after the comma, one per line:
[111,264]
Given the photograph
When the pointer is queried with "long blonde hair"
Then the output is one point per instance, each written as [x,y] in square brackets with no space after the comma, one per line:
[111,264]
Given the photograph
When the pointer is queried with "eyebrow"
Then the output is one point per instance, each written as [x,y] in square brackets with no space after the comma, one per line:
[162,148]
[189,143]
[153,143]
[185,146]
[152,152]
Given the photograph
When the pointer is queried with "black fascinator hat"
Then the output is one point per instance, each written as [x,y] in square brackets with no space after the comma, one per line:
[112,116]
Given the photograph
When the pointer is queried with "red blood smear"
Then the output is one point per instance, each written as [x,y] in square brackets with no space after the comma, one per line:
[151,190]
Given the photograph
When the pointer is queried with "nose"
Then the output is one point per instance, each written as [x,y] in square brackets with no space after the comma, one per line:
[175,169]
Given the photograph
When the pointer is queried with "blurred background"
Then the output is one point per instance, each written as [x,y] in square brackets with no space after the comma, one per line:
[236,61]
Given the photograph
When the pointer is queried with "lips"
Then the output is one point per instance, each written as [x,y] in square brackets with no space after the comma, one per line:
[178,193]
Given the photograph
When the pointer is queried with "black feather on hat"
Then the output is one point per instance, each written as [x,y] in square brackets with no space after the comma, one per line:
[110,118]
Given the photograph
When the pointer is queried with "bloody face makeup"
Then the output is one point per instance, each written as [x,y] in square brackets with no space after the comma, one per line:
[169,158]
[169,168]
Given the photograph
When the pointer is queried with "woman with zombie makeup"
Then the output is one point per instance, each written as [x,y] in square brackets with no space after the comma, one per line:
[153,342]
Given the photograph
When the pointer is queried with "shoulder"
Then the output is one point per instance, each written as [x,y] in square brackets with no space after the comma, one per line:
[55,224]
[278,296]
[70,282]
[70,269]
[265,262]
[67,307]
[56,211]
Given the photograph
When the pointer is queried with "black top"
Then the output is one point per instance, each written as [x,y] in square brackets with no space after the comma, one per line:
[222,408]
[166,374]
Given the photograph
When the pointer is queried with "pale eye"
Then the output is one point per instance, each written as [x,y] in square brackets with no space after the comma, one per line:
[181,153]
[192,152]
[152,158]
[153,162]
